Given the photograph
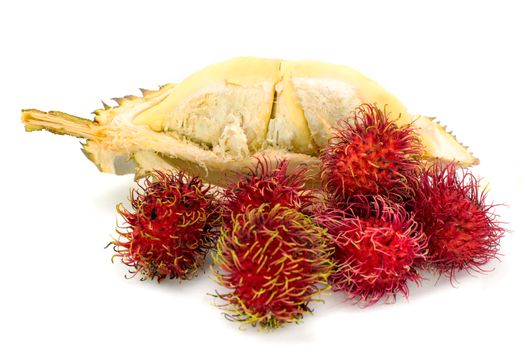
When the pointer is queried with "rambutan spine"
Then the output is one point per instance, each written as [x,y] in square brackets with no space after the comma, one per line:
[274,261]
[170,228]
[371,155]
[378,246]
[269,182]
[464,232]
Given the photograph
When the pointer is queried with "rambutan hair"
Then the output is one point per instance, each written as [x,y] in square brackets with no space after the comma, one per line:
[464,232]
[269,182]
[170,228]
[378,246]
[371,155]
[274,261]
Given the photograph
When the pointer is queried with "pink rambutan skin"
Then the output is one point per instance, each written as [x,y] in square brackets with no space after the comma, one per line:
[464,232]
[274,261]
[170,228]
[378,246]
[371,155]
[268,184]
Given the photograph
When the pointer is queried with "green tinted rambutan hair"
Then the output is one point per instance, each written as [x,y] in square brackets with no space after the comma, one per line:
[273,261]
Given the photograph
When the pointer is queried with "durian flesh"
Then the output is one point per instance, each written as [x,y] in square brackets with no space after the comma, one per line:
[217,121]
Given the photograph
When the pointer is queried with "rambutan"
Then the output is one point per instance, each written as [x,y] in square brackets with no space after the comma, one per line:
[370,155]
[269,182]
[463,230]
[377,249]
[170,228]
[274,260]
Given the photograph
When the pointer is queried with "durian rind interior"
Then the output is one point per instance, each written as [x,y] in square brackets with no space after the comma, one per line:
[225,107]
[243,105]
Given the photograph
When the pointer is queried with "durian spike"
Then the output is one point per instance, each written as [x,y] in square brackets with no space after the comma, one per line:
[440,144]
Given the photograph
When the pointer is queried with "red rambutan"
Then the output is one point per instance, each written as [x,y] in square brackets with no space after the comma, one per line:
[274,260]
[268,184]
[462,229]
[170,228]
[377,247]
[370,155]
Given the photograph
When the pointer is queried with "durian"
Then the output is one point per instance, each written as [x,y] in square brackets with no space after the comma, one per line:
[218,120]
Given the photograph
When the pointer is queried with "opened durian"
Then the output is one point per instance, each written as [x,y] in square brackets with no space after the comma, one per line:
[218,120]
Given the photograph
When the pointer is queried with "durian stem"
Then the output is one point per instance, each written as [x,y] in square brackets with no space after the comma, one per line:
[59,123]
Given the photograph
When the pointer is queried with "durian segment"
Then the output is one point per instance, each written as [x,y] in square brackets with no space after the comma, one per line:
[440,144]
[220,103]
[328,93]
[288,128]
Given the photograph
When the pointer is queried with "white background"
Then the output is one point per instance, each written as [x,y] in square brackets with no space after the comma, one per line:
[460,61]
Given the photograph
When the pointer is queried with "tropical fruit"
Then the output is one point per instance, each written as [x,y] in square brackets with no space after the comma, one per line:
[220,119]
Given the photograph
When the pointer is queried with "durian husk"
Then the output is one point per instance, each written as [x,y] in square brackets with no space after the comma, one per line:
[216,122]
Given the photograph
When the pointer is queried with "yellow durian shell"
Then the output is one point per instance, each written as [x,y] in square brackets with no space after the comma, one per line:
[217,121]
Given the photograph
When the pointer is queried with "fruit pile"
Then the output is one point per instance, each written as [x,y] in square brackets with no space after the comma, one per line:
[381,217]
